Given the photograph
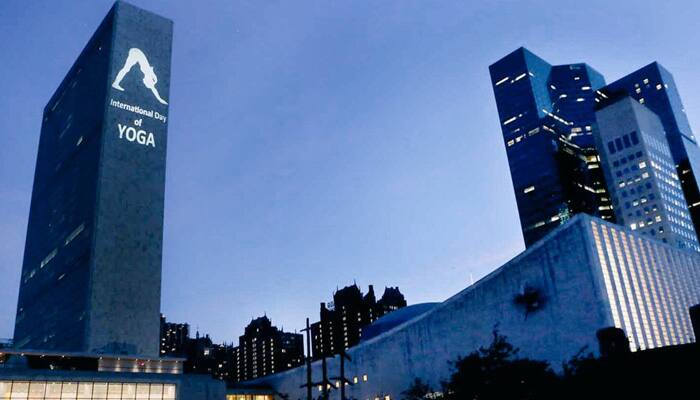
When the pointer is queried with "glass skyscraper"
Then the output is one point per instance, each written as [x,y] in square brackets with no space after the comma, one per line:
[91,273]
[549,125]
[547,116]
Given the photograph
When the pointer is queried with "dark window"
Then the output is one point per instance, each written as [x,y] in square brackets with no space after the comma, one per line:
[626,139]
[635,139]
[618,144]
[611,147]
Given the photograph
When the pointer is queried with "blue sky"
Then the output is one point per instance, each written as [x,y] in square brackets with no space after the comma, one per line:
[312,144]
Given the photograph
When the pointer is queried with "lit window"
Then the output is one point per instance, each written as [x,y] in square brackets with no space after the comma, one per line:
[364,378]
[528,189]
[502,81]
[508,121]
[74,234]
[48,258]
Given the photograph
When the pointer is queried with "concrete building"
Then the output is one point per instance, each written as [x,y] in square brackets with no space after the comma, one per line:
[643,183]
[343,320]
[549,301]
[50,376]
[654,87]
[91,274]
[173,338]
[264,349]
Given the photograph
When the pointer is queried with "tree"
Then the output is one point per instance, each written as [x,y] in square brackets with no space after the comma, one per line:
[495,372]
[417,391]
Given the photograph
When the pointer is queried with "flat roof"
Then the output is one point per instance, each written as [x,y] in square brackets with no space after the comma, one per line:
[43,353]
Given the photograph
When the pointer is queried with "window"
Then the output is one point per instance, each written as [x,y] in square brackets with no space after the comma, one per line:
[43,390]
[626,139]
[74,234]
[635,139]
[48,258]
[611,147]
[618,144]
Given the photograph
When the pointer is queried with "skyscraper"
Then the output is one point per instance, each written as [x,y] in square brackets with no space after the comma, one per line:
[547,116]
[263,350]
[174,337]
[654,87]
[91,273]
[639,168]
[343,320]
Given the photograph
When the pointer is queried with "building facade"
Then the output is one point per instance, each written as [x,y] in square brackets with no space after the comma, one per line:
[582,277]
[654,87]
[644,185]
[91,273]
[264,349]
[173,338]
[39,376]
[342,321]
[547,116]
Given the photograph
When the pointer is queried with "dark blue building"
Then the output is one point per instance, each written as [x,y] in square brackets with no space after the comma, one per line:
[91,273]
[547,116]
[654,87]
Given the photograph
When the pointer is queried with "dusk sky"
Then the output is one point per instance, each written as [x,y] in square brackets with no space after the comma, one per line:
[313,144]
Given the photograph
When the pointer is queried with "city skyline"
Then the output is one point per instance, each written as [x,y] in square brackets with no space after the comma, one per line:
[271,188]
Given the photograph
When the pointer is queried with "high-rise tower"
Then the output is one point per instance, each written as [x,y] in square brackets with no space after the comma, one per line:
[654,87]
[547,116]
[92,263]
[639,168]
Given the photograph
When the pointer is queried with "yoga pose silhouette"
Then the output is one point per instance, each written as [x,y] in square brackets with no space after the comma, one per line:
[150,79]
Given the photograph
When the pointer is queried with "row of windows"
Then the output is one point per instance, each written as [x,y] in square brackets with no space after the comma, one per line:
[623,142]
[71,236]
[649,287]
[56,390]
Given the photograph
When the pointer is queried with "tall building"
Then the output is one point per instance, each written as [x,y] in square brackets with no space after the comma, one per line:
[91,273]
[264,349]
[391,300]
[654,87]
[173,338]
[646,192]
[547,116]
[342,321]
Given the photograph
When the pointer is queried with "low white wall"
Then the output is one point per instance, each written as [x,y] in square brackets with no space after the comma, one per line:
[563,270]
